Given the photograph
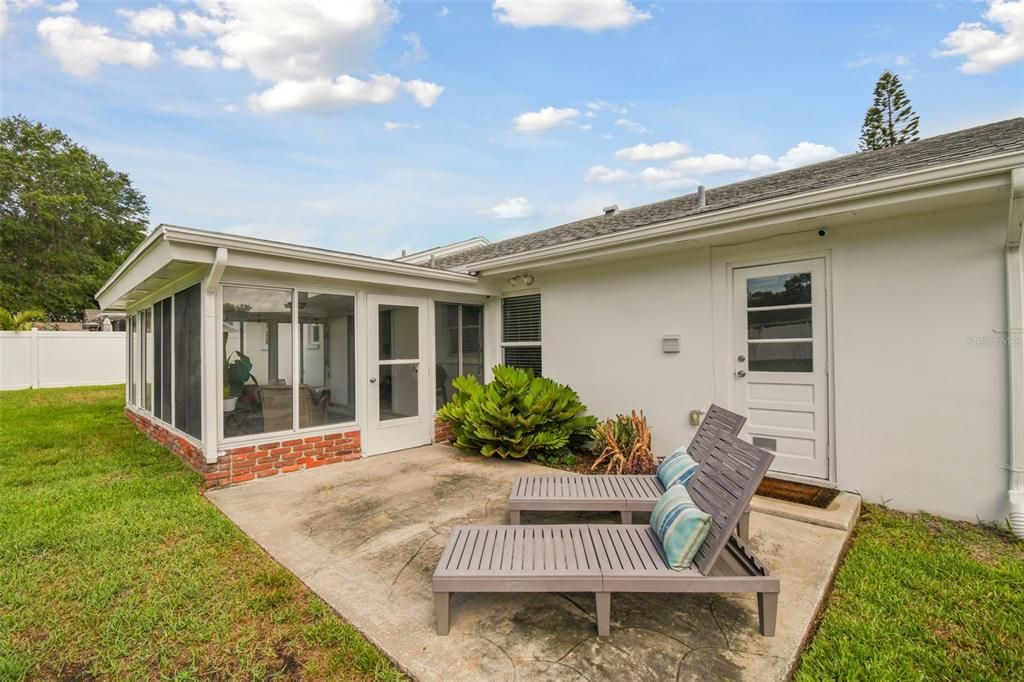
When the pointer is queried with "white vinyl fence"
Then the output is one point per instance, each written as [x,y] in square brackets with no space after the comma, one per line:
[38,359]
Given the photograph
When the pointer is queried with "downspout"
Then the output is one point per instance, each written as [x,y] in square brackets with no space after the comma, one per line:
[1015,347]
[210,350]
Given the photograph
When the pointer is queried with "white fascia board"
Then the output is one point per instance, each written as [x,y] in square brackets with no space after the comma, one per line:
[753,213]
[134,271]
[136,253]
[235,243]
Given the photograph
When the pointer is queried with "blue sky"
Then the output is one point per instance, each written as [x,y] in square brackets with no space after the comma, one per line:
[376,126]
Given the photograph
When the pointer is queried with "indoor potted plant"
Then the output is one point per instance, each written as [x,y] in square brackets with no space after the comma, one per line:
[237,371]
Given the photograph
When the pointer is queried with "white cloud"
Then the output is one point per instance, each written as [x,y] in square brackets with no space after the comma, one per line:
[667,178]
[416,52]
[198,25]
[63,8]
[601,105]
[985,48]
[424,93]
[81,48]
[150,21]
[515,208]
[322,94]
[658,151]
[4,21]
[392,126]
[682,172]
[631,125]
[197,57]
[307,51]
[593,15]
[606,175]
[297,41]
[806,153]
[231,108]
[444,12]
[545,119]
[897,60]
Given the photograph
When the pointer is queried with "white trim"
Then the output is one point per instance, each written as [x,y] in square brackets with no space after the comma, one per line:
[257,438]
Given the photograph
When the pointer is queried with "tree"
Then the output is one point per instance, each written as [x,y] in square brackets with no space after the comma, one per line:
[19,322]
[67,220]
[890,120]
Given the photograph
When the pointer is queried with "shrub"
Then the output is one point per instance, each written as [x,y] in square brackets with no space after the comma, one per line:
[625,444]
[517,415]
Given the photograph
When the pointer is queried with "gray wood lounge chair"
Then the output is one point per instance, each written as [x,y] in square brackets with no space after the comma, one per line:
[619,558]
[623,494]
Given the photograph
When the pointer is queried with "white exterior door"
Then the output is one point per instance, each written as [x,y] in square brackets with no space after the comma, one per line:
[400,389]
[780,362]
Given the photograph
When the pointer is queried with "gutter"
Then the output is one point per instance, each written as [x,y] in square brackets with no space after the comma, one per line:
[1015,348]
[964,170]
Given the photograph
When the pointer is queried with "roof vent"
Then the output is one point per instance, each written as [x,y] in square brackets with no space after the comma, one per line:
[610,210]
[403,253]
[701,201]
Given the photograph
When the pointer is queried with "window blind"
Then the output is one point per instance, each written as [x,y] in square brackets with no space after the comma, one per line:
[520,319]
[524,357]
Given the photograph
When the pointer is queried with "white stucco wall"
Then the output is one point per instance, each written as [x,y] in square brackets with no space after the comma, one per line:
[920,382]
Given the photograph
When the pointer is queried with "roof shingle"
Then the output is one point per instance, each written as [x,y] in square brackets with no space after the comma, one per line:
[962,145]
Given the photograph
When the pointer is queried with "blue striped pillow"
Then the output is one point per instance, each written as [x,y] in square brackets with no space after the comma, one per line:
[678,467]
[680,525]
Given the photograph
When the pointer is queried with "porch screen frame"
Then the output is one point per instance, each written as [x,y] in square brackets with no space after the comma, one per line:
[249,438]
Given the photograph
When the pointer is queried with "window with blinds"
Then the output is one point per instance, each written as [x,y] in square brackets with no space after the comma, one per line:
[521,332]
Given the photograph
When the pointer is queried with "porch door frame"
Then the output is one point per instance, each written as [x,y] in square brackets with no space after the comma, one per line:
[403,433]
[724,261]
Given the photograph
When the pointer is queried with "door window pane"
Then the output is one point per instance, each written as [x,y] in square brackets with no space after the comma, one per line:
[257,341]
[398,332]
[327,393]
[399,391]
[779,290]
[789,323]
[787,356]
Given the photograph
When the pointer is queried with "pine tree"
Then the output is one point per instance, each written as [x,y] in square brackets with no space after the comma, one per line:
[890,120]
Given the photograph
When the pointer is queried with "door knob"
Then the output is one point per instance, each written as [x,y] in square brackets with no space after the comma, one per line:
[373,380]
[741,373]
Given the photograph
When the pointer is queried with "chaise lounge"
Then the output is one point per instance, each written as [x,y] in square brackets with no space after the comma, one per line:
[623,494]
[620,558]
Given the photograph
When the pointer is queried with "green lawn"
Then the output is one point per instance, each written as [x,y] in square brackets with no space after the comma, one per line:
[923,598]
[113,565]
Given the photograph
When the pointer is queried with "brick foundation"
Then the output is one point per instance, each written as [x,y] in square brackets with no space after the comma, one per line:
[250,462]
[442,432]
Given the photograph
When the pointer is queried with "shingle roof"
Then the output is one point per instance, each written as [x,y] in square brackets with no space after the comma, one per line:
[962,145]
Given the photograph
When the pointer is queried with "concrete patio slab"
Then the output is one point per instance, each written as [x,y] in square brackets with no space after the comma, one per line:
[366,537]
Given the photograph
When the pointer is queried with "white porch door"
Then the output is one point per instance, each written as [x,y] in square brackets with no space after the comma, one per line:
[780,368]
[400,389]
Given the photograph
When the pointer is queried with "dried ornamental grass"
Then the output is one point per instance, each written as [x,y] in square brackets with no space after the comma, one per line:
[625,444]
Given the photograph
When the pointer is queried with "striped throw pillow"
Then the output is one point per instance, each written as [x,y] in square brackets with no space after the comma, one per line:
[678,467]
[680,525]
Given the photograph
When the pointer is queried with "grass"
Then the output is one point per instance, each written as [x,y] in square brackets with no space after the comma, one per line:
[113,565]
[923,598]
